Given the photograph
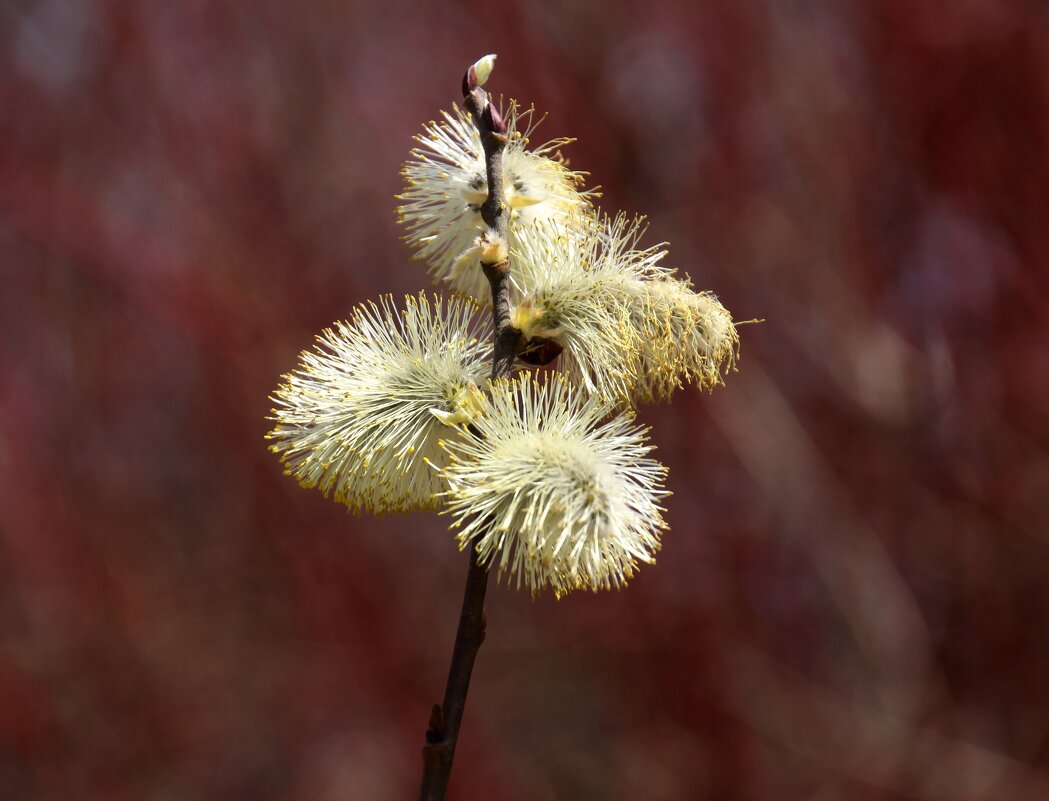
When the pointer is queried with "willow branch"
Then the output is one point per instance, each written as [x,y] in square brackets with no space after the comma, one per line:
[443,731]
[495,212]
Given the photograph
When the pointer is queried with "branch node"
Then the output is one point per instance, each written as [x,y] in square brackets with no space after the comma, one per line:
[495,122]
[435,729]
[497,269]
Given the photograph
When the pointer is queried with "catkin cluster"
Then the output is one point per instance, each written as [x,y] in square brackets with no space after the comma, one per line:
[550,479]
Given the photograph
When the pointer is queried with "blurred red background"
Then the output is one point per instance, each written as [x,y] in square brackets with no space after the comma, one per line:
[852,600]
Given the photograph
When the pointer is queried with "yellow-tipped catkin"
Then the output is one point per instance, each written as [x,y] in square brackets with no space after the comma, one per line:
[446,185]
[554,489]
[687,336]
[363,413]
[630,330]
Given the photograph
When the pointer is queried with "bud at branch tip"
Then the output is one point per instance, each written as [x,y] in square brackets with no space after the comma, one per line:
[483,68]
[477,74]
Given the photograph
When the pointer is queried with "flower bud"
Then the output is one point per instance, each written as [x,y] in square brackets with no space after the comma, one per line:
[483,68]
[493,248]
[477,73]
[540,351]
[494,120]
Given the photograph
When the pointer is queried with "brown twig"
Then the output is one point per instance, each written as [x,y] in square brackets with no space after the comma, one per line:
[443,730]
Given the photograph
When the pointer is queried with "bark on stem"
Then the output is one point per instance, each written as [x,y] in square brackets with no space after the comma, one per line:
[443,731]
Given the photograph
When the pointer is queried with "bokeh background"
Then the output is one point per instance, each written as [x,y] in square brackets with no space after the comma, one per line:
[852,600]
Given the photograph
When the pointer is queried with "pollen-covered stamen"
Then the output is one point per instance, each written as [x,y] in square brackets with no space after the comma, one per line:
[446,186]
[463,405]
[364,411]
[630,330]
[553,492]
[533,319]
[688,336]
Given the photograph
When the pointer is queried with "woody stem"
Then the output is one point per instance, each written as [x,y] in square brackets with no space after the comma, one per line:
[445,718]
